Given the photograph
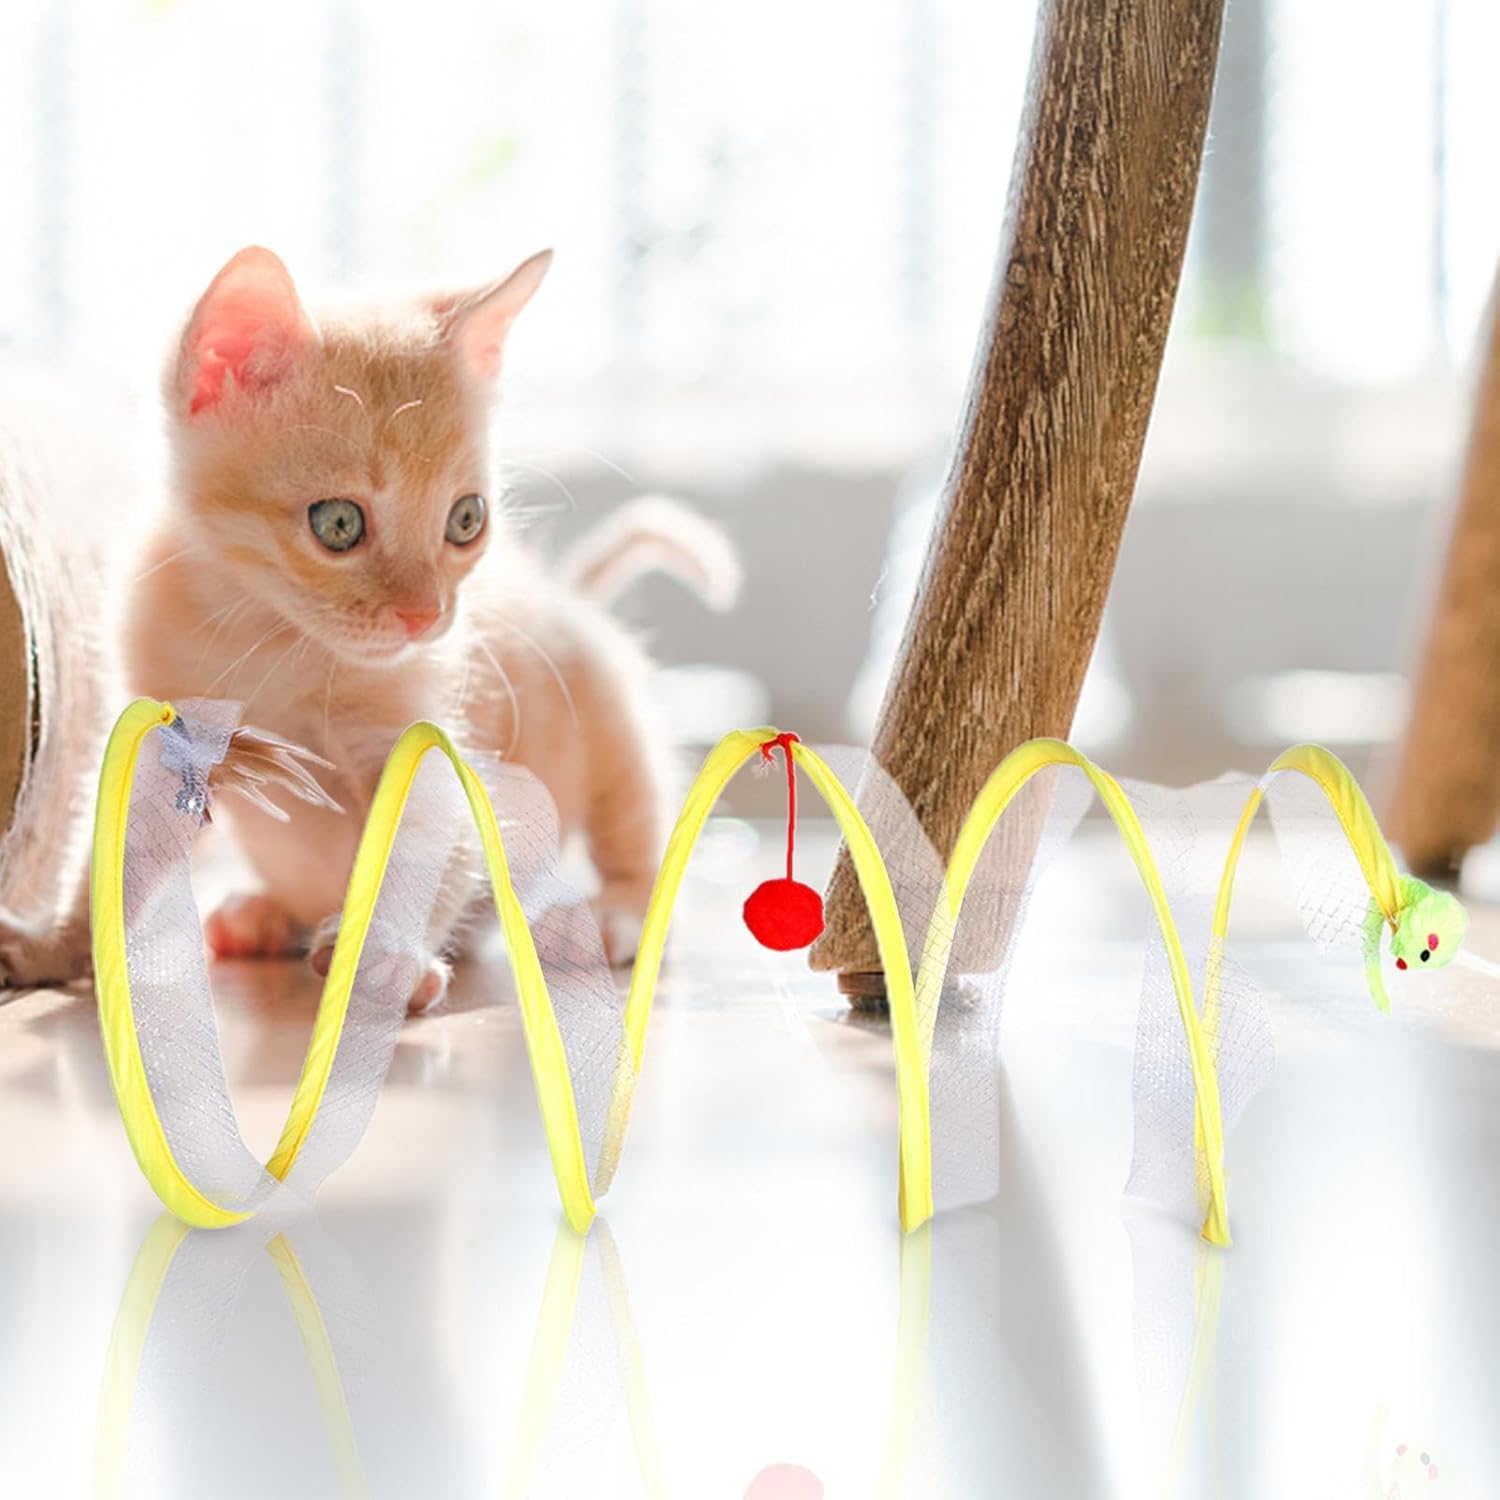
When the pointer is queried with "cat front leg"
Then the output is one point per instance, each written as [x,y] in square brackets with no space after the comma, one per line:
[257,764]
[458,893]
[253,925]
[434,970]
[53,953]
[623,828]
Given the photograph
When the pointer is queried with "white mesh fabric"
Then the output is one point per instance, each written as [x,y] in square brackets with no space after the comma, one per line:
[1331,893]
[588,1005]
[966,1085]
[1190,831]
[170,991]
[183,1416]
[915,870]
[170,996]
[557,1449]
[435,846]
[1175,1313]
[434,872]
[962,1036]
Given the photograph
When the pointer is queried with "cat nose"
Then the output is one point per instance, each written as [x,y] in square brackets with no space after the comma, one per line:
[417,619]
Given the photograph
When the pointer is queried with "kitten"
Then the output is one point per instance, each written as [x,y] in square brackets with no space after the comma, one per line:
[335,559]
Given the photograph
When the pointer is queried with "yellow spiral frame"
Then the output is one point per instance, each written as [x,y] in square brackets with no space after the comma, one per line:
[913,994]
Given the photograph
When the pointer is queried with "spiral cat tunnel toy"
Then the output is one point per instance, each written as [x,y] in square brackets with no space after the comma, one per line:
[1202,1044]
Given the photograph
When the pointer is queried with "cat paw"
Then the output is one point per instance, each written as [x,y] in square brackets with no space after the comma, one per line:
[29,958]
[621,916]
[432,987]
[253,926]
[429,991]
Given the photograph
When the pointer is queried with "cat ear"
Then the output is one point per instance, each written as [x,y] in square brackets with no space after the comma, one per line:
[476,324]
[249,325]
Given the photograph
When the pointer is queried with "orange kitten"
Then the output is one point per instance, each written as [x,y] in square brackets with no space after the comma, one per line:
[335,559]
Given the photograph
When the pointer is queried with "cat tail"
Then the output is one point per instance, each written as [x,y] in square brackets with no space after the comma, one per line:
[654,535]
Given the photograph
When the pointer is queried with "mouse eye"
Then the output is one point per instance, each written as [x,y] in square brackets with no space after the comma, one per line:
[1426,954]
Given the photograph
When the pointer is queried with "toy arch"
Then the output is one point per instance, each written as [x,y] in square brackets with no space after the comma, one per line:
[914,1114]
[121,1042]
[1352,809]
[994,798]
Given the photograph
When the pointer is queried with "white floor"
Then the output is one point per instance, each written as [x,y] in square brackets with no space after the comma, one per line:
[750,1302]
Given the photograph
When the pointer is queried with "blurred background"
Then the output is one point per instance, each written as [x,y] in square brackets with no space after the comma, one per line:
[775,229]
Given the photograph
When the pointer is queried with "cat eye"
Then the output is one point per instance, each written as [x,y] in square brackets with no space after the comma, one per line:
[338,524]
[465,520]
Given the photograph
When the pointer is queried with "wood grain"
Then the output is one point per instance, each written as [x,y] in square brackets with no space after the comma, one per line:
[1447,790]
[15,698]
[1021,557]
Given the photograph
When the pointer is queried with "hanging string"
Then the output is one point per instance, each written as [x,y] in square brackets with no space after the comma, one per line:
[768,755]
[785,914]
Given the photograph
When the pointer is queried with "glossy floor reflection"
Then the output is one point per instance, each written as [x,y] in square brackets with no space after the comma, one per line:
[749,1320]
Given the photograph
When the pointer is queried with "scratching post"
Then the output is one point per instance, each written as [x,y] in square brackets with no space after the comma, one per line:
[67,498]
[1020,560]
[1447,793]
[15,698]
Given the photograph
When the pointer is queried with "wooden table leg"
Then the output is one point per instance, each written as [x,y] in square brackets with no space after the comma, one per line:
[1020,561]
[1447,793]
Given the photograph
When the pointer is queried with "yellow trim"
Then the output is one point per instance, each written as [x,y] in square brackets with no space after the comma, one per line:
[1352,808]
[1005,781]
[1357,820]
[548,1357]
[544,1043]
[911,1373]
[122,1048]
[127,1347]
[632,1361]
[323,1362]
[1350,805]
[1208,1282]
[127,1344]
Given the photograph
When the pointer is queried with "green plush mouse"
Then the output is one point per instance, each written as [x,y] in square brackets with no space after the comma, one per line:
[1426,929]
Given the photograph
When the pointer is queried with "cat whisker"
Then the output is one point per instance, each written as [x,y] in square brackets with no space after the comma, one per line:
[520,516]
[245,655]
[333,663]
[299,646]
[463,687]
[354,396]
[512,463]
[608,463]
[229,609]
[165,562]
[224,616]
[510,692]
[551,666]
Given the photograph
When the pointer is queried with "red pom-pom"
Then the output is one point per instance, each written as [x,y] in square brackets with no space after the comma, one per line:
[784,914]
